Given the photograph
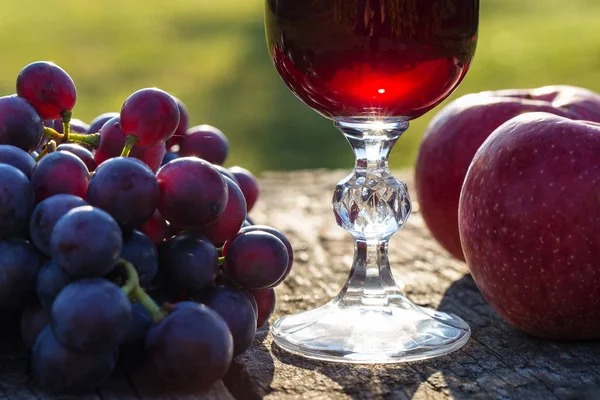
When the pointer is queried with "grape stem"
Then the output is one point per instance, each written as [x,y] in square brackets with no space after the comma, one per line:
[221,260]
[51,147]
[42,154]
[133,290]
[66,120]
[92,139]
[130,141]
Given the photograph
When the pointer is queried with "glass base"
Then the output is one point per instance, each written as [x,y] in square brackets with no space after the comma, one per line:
[399,332]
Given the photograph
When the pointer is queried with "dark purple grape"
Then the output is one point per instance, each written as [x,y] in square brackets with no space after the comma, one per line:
[98,122]
[20,124]
[248,183]
[16,202]
[48,88]
[279,236]
[46,214]
[206,142]
[251,299]
[169,157]
[33,320]
[151,115]
[139,250]
[17,158]
[225,172]
[86,242]
[76,125]
[182,127]
[228,224]
[156,229]
[60,370]
[112,140]
[20,262]
[50,281]
[265,300]
[192,347]
[81,152]
[189,262]
[60,172]
[91,315]
[237,311]
[191,192]
[132,349]
[125,188]
[256,260]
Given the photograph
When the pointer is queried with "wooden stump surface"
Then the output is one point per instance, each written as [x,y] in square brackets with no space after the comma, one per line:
[499,362]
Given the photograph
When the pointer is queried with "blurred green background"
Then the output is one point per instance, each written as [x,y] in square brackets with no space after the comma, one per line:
[212,55]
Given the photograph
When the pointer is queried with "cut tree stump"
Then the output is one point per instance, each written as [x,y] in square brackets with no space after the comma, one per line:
[498,362]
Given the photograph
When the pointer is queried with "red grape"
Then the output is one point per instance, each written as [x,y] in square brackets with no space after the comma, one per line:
[206,142]
[19,266]
[60,172]
[189,263]
[155,228]
[248,183]
[228,224]
[225,172]
[279,236]
[16,202]
[61,370]
[48,88]
[86,242]
[192,347]
[182,127]
[125,188]
[112,141]
[20,124]
[46,214]
[256,260]
[91,315]
[139,250]
[50,281]
[18,158]
[81,152]
[98,122]
[132,349]
[265,301]
[192,193]
[151,115]
[236,310]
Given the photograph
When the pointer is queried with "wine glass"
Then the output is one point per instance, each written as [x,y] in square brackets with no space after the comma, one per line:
[371,66]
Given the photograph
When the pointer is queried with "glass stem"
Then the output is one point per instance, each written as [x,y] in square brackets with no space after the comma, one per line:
[371,205]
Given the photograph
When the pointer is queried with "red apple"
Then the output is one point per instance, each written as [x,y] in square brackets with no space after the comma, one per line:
[456,133]
[528,219]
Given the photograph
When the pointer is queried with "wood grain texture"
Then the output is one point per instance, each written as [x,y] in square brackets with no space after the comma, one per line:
[499,362]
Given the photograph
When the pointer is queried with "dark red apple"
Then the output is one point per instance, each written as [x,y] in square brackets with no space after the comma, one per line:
[456,133]
[528,219]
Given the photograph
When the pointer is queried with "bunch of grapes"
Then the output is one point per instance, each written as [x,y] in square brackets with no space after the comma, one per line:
[122,256]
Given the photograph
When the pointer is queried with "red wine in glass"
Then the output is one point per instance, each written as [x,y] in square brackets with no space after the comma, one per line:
[372,58]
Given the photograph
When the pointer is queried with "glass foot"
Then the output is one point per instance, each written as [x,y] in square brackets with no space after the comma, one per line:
[399,332]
